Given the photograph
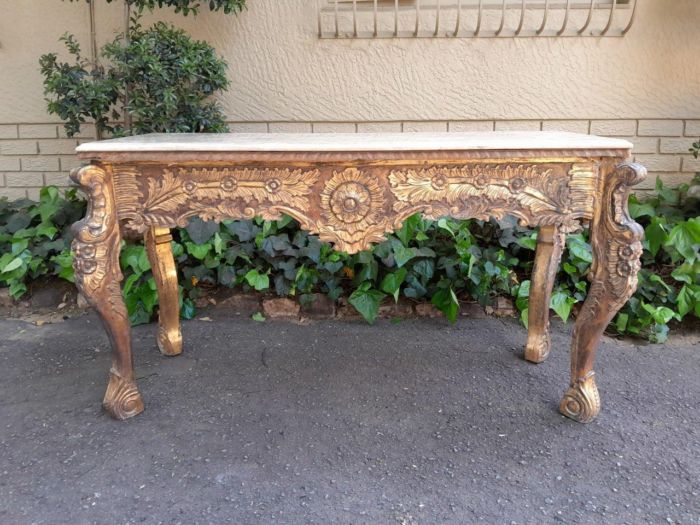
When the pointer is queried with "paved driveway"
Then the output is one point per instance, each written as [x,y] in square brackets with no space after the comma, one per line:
[339,422]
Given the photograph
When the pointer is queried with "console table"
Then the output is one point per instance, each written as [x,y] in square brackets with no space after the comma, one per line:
[350,190]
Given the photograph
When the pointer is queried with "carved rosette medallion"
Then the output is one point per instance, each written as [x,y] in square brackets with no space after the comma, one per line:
[352,201]
[353,211]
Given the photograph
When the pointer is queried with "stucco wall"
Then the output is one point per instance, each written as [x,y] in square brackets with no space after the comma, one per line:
[643,86]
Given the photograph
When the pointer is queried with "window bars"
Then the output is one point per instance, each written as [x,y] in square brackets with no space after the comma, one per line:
[475,18]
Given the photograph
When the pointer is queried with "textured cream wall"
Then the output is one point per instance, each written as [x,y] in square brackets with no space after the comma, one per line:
[281,71]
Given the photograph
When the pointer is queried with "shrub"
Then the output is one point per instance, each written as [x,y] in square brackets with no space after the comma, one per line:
[169,79]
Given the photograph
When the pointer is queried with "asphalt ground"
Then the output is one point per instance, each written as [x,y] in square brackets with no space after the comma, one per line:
[418,422]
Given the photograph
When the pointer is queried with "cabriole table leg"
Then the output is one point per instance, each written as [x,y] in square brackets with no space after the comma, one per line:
[550,242]
[615,240]
[160,254]
[97,276]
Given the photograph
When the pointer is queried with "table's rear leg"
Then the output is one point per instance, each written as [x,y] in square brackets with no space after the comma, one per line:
[615,240]
[550,242]
[96,246]
[160,254]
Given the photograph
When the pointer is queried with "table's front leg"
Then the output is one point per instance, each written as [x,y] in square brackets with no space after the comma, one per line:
[615,240]
[160,254]
[550,242]
[97,275]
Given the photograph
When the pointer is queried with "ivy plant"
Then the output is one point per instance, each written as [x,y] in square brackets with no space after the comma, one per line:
[445,262]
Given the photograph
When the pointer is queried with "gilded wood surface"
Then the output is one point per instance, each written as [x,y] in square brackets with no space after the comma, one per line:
[354,204]
[160,255]
[97,275]
[617,248]
[353,207]
[550,243]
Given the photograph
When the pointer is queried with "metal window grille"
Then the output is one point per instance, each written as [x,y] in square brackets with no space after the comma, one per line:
[475,18]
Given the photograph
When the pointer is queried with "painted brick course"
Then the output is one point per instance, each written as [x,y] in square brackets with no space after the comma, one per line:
[572,126]
[660,128]
[660,163]
[57,146]
[38,131]
[18,147]
[518,125]
[8,131]
[614,128]
[379,127]
[428,126]
[334,127]
[24,179]
[471,126]
[40,163]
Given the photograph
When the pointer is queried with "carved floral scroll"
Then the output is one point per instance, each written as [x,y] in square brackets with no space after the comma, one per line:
[353,207]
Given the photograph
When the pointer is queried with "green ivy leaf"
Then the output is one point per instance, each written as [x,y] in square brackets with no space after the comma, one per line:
[201,231]
[686,300]
[12,265]
[685,239]
[198,251]
[562,303]
[259,281]
[188,310]
[686,273]
[244,230]
[621,322]
[655,235]
[661,314]
[47,230]
[579,248]
[17,289]
[446,301]
[402,254]
[259,317]
[392,282]
[366,301]
[529,243]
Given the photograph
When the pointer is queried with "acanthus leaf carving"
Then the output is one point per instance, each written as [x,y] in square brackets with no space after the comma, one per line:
[356,206]
[178,194]
[533,193]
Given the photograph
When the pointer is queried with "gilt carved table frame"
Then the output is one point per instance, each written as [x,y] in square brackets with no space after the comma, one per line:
[351,199]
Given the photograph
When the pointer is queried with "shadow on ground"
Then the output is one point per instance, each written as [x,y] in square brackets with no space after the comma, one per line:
[339,422]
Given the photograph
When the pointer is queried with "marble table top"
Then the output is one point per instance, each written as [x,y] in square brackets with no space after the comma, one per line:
[341,142]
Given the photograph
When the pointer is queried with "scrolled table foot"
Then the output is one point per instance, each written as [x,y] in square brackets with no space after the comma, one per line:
[581,401]
[122,399]
[169,341]
[537,348]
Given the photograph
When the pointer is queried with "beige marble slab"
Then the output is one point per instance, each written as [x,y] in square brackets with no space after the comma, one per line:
[339,142]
